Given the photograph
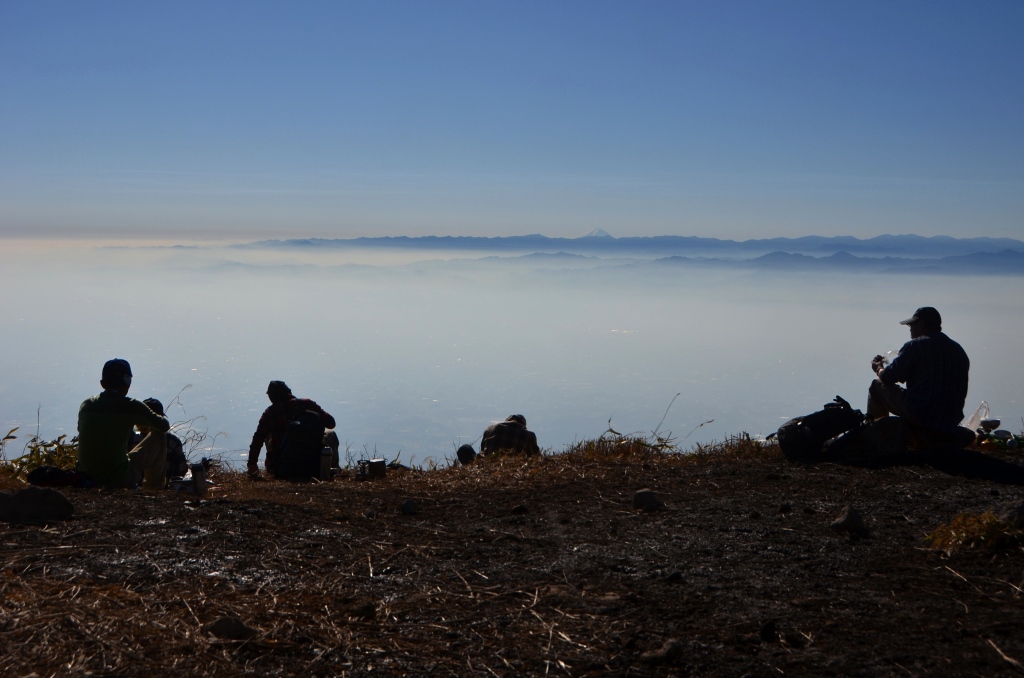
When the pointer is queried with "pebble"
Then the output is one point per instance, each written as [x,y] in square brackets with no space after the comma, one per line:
[646,499]
[230,628]
[35,505]
[850,520]
[667,653]
[1012,513]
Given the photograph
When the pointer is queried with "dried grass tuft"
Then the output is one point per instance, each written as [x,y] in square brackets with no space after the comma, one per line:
[976,532]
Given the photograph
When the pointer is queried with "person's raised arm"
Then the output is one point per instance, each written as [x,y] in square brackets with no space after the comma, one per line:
[143,417]
[258,439]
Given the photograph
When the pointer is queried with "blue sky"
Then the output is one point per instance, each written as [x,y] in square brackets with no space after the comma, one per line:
[737,120]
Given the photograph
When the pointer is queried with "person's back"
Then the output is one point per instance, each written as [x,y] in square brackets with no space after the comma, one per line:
[934,369]
[510,435]
[274,424]
[105,424]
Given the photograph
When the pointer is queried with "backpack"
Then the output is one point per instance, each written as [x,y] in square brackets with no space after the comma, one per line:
[802,438]
[53,476]
[177,462]
[298,456]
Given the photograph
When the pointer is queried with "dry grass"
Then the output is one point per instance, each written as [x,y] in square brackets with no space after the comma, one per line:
[346,589]
[37,452]
[979,532]
[513,566]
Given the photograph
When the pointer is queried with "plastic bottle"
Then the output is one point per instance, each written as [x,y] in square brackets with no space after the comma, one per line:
[198,479]
[326,457]
[974,421]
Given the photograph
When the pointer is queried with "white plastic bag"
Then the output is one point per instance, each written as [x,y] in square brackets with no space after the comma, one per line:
[974,421]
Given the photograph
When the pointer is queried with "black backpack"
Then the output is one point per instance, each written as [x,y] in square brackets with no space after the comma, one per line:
[177,462]
[298,456]
[802,438]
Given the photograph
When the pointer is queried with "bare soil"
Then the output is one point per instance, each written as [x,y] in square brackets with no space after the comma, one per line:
[520,567]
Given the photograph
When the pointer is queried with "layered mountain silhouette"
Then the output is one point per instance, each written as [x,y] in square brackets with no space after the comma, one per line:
[881,254]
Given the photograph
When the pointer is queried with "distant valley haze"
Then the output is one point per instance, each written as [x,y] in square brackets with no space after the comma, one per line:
[415,344]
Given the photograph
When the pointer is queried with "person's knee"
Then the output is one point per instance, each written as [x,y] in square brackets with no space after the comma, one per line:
[876,388]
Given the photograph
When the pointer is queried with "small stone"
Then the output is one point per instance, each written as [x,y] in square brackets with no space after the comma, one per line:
[230,628]
[7,512]
[519,509]
[769,632]
[41,504]
[646,499]
[671,651]
[755,515]
[994,492]
[675,577]
[1012,514]
[794,639]
[785,507]
[809,510]
[371,514]
[366,611]
[409,507]
[850,520]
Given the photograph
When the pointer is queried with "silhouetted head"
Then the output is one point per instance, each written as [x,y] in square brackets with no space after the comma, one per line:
[518,418]
[155,405]
[117,375]
[925,319]
[466,454]
[278,392]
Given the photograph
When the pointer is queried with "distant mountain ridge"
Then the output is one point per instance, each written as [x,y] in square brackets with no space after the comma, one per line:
[600,242]
[1006,262]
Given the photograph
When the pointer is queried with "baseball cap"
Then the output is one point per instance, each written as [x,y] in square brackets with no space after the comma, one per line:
[926,314]
[117,371]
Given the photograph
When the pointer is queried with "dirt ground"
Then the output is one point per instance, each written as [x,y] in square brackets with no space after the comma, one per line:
[520,567]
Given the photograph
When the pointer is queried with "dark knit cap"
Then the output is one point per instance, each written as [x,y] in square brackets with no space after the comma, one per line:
[518,418]
[278,390]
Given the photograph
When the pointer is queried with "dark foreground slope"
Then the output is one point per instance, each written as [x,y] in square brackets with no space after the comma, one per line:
[516,567]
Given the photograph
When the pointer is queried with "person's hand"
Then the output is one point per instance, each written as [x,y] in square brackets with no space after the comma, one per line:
[877,363]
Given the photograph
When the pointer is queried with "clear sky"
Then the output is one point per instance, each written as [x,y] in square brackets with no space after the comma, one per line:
[338,119]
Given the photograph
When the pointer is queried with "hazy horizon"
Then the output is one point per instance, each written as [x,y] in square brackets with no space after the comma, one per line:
[416,357]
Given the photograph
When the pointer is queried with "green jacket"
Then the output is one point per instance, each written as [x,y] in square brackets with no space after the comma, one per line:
[105,423]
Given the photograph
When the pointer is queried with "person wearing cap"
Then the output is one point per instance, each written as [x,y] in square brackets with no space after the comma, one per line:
[105,424]
[177,462]
[933,369]
[510,435]
[274,423]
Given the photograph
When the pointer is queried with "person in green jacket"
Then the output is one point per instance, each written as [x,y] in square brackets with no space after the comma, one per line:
[105,424]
